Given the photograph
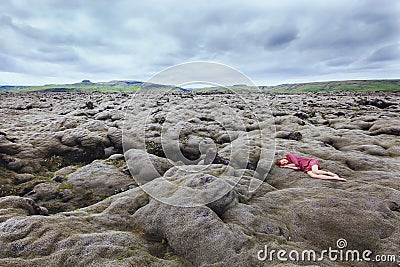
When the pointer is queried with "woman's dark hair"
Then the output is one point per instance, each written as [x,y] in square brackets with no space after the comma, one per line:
[278,161]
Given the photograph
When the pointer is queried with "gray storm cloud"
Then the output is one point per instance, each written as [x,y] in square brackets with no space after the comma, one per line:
[269,41]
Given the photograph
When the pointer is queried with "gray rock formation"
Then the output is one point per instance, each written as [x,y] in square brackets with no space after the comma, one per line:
[193,209]
[73,188]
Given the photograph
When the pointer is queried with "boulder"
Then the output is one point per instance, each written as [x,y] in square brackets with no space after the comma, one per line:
[115,136]
[144,166]
[78,187]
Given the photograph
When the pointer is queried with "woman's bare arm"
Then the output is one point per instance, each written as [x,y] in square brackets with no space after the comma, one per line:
[291,166]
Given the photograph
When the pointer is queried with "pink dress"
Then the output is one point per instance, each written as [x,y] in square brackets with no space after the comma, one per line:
[304,164]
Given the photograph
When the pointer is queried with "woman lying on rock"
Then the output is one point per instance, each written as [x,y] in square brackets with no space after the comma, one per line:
[309,165]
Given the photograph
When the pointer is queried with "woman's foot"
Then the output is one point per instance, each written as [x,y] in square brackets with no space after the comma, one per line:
[338,178]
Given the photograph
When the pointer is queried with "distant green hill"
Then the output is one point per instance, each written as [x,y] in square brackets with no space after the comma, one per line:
[134,86]
[350,85]
[87,86]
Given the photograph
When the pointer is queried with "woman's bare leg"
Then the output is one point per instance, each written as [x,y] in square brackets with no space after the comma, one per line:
[325,177]
[320,174]
[325,172]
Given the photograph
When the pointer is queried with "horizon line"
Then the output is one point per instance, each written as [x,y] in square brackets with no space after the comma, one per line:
[128,80]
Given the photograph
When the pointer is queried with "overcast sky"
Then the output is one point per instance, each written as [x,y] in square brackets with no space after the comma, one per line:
[272,42]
